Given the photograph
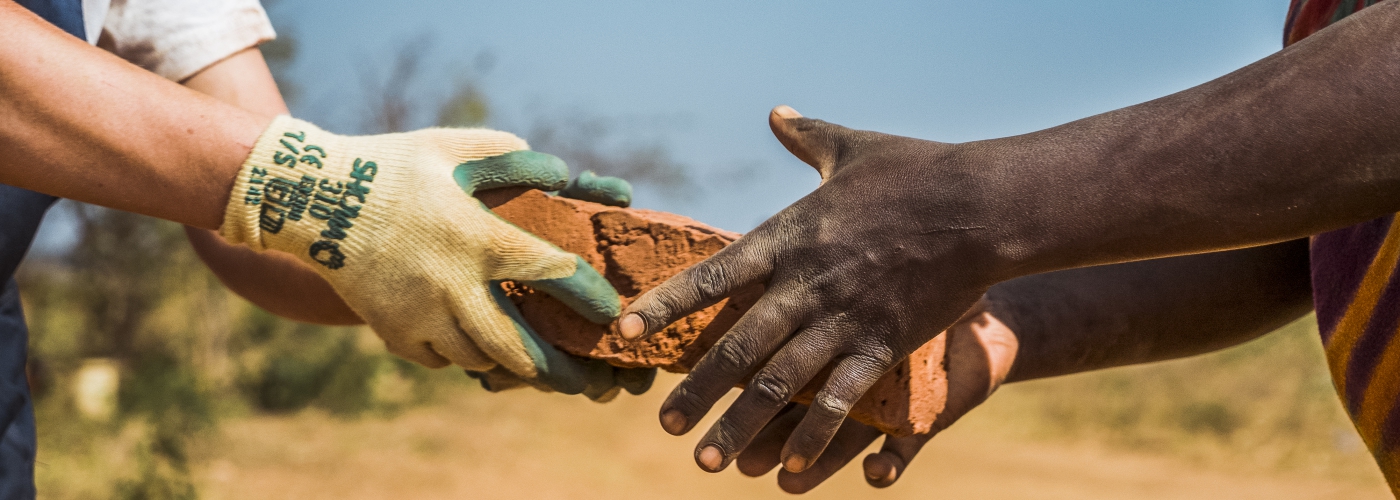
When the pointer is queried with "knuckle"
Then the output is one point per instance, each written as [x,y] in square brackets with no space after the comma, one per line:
[831,404]
[710,281]
[771,389]
[684,399]
[733,356]
[872,363]
[725,436]
[663,303]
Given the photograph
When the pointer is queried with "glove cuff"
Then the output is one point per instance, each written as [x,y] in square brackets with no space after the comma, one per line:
[301,190]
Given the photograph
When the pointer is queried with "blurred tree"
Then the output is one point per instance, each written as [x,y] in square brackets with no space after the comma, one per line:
[394,104]
[127,263]
[610,146]
[633,150]
[466,107]
[139,296]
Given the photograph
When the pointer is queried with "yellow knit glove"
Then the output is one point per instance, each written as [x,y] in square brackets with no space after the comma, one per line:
[390,222]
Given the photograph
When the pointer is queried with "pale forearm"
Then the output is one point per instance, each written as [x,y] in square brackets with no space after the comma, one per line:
[78,123]
[1299,143]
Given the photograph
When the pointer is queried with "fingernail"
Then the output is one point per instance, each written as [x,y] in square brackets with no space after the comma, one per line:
[631,326]
[673,421]
[786,111]
[795,463]
[711,458]
[880,472]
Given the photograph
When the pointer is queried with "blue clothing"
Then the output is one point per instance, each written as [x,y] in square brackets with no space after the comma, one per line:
[17,444]
[66,14]
[20,214]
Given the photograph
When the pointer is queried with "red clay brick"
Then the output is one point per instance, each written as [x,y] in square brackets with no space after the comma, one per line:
[637,250]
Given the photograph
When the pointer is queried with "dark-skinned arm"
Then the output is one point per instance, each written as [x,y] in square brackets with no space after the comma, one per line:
[1105,316]
[904,235]
[1070,322]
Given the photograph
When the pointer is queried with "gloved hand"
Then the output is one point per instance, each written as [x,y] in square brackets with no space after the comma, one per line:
[390,222]
[610,191]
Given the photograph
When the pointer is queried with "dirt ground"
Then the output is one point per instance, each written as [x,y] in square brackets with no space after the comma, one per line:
[529,445]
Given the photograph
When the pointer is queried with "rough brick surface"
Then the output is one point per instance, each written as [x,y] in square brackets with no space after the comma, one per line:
[637,250]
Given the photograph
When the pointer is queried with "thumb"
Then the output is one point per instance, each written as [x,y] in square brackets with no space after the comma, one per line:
[585,291]
[884,468]
[523,257]
[818,143]
[516,168]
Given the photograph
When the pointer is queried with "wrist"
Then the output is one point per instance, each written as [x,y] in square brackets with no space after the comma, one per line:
[1041,214]
[999,222]
[302,191]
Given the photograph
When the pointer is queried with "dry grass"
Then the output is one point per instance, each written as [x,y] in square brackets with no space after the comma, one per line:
[1147,432]
[524,445]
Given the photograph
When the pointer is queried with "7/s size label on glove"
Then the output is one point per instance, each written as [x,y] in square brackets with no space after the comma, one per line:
[286,199]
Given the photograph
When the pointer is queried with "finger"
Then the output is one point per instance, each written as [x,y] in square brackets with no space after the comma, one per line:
[635,380]
[884,468]
[600,379]
[503,335]
[418,353]
[738,265]
[763,453]
[850,379]
[817,143]
[472,143]
[459,348]
[612,191]
[409,342]
[603,395]
[753,338]
[521,256]
[458,145]
[980,350]
[516,168]
[585,291]
[497,379]
[769,391]
[850,440]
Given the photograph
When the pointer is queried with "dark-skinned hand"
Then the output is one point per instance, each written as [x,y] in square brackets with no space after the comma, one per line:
[889,251]
[979,354]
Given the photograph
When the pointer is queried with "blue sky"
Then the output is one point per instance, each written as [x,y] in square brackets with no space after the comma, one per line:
[703,75]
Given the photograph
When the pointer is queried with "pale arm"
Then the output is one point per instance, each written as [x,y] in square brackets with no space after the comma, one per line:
[79,123]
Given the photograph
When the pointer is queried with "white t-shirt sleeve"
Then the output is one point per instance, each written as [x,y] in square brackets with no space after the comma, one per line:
[94,14]
[178,38]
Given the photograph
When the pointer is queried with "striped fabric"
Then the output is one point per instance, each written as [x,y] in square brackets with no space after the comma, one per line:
[1305,17]
[1356,292]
